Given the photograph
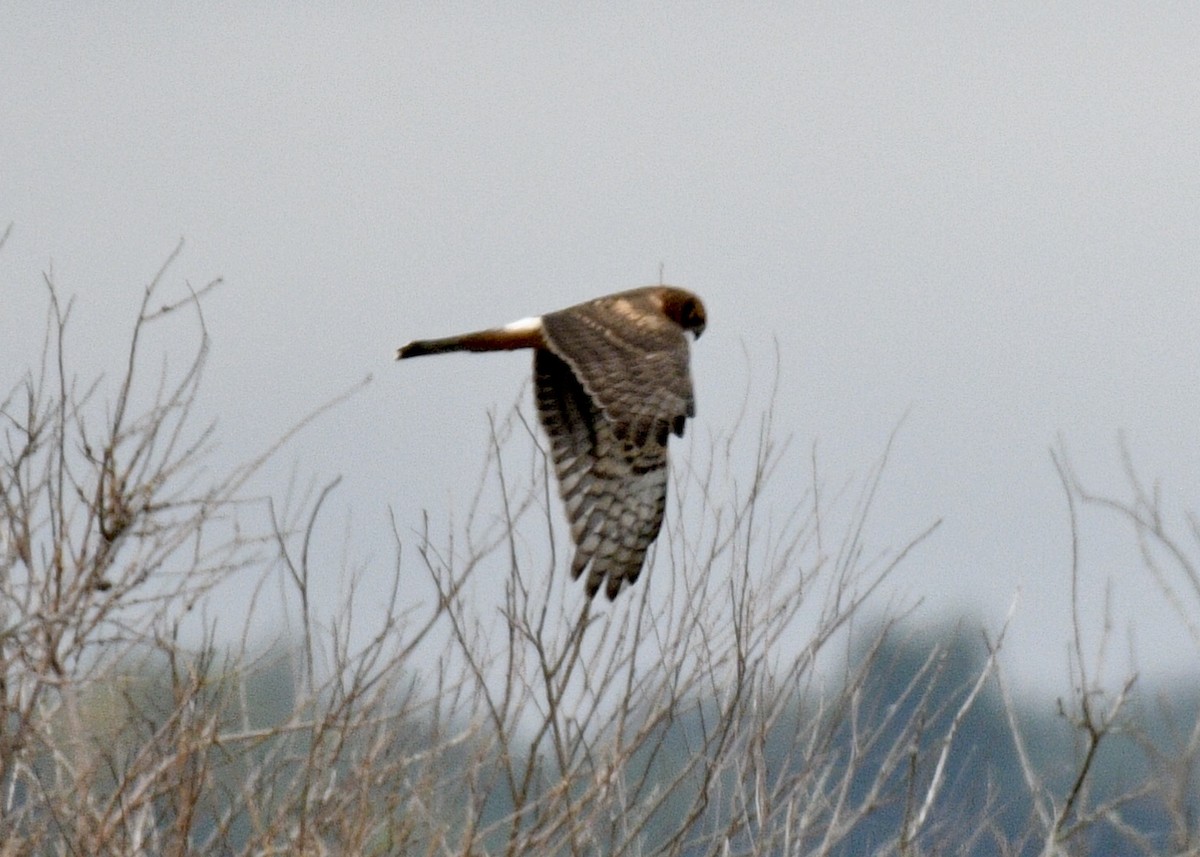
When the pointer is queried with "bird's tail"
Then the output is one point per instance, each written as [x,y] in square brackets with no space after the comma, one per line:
[421,347]
[498,339]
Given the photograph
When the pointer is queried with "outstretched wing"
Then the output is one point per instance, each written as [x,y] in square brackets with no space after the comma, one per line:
[614,490]
[630,358]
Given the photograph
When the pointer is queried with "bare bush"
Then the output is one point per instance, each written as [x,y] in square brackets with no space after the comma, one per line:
[739,700]
[1160,750]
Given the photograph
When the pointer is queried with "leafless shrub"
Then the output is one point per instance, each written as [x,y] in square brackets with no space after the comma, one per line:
[114,532]
[1101,717]
[733,702]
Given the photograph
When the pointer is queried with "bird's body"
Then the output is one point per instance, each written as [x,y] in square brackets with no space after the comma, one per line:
[612,383]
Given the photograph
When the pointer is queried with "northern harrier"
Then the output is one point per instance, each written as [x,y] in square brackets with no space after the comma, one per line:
[612,382]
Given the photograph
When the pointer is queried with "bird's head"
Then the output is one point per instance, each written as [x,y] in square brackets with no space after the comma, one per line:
[685,309]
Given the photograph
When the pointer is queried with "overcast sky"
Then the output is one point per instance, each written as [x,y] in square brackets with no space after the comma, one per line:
[982,216]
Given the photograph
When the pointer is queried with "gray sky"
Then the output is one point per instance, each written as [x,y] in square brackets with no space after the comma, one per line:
[985,217]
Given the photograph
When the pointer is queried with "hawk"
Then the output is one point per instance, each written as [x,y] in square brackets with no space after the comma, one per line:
[612,383]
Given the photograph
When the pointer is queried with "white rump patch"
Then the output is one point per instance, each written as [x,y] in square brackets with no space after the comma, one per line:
[523,325]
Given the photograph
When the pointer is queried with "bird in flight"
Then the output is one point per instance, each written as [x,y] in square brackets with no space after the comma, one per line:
[612,382]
